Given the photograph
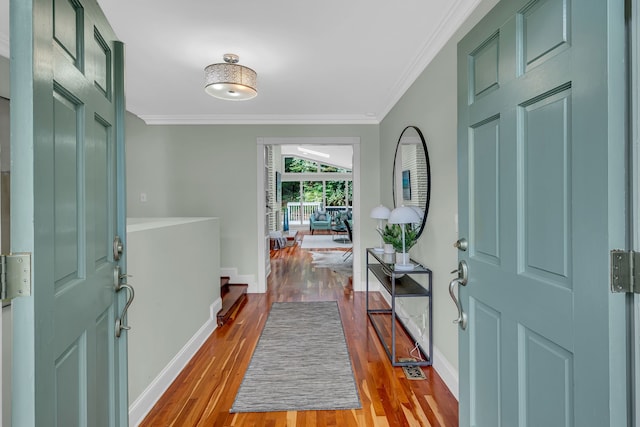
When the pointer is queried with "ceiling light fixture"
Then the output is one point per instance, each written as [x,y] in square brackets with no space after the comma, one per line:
[229,80]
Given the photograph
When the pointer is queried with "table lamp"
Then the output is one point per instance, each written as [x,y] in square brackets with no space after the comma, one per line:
[403,215]
[419,211]
[380,213]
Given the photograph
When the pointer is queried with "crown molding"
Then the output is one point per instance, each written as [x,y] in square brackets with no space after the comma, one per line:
[4,45]
[308,140]
[229,119]
[455,17]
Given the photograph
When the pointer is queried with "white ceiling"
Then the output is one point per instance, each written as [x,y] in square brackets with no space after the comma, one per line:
[332,61]
[340,156]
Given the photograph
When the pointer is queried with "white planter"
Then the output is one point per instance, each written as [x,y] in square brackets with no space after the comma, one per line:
[388,248]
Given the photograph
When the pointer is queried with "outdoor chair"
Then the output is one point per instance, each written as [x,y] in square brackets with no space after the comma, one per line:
[349,251]
[319,221]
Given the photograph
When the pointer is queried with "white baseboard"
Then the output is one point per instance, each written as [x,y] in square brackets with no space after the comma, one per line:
[234,277]
[143,404]
[447,372]
[442,366]
[213,311]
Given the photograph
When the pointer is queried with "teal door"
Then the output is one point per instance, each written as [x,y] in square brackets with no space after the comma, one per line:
[67,193]
[541,168]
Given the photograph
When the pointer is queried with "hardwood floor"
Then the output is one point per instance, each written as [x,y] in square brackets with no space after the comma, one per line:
[203,393]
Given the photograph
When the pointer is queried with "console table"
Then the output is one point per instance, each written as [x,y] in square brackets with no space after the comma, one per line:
[399,284]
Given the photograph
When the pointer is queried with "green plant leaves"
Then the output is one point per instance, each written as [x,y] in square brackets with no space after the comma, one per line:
[392,234]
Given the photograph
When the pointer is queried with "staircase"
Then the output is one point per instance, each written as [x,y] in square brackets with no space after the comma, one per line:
[233,298]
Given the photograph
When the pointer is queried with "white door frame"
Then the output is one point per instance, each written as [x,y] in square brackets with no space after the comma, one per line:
[5,375]
[634,202]
[355,143]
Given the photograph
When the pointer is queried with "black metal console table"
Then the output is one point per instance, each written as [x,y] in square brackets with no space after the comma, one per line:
[399,284]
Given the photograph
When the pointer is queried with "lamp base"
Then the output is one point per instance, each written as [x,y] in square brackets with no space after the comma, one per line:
[404,267]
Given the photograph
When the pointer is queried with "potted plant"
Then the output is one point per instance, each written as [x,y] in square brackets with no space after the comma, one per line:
[392,234]
[388,236]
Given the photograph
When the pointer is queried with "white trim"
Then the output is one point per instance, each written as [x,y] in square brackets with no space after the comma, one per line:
[262,119]
[634,208]
[234,277]
[263,269]
[2,401]
[355,143]
[459,11]
[315,176]
[635,362]
[148,398]
[634,205]
[310,140]
[447,372]
[4,45]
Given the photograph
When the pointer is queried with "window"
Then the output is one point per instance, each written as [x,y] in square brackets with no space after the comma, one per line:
[309,185]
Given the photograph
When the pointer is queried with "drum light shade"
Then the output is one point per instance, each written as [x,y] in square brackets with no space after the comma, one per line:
[229,80]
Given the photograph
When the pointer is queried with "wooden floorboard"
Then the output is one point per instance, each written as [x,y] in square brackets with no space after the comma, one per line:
[203,393]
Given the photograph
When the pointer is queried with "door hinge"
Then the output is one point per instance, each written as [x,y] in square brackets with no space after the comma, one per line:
[625,271]
[15,276]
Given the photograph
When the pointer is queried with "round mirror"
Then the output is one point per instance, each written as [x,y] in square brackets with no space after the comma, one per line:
[412,174]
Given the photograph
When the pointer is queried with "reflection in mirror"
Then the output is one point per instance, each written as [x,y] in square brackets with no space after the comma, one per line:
[412,173]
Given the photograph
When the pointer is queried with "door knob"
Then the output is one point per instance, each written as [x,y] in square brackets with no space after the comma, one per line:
[120,284]
[460,280]
[463,272]
[461,244]
[120,321]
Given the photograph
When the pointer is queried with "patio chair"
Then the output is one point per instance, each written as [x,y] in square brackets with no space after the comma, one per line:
[319,221]
[349,251]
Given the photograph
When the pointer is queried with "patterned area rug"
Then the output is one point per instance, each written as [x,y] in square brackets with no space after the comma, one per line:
[335,260]
[301,362]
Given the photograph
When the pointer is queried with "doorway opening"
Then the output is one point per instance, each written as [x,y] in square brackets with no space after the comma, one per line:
[299,169]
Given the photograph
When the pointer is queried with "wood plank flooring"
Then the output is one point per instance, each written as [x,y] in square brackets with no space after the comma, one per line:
[203,393]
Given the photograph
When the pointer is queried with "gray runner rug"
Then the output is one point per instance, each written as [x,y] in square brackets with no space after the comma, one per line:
[301,362]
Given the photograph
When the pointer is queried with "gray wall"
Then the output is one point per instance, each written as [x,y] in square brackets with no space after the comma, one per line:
[172,305]
[210,170]
[430,104]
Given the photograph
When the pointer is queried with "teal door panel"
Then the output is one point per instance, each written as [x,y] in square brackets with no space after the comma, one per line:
[67,207]
[538,106]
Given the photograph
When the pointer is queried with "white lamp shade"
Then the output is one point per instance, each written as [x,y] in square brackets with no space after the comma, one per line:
[403,215]
[419,211]
[380,212]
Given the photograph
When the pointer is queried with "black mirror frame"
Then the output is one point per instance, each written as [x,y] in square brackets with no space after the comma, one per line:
[393,172]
